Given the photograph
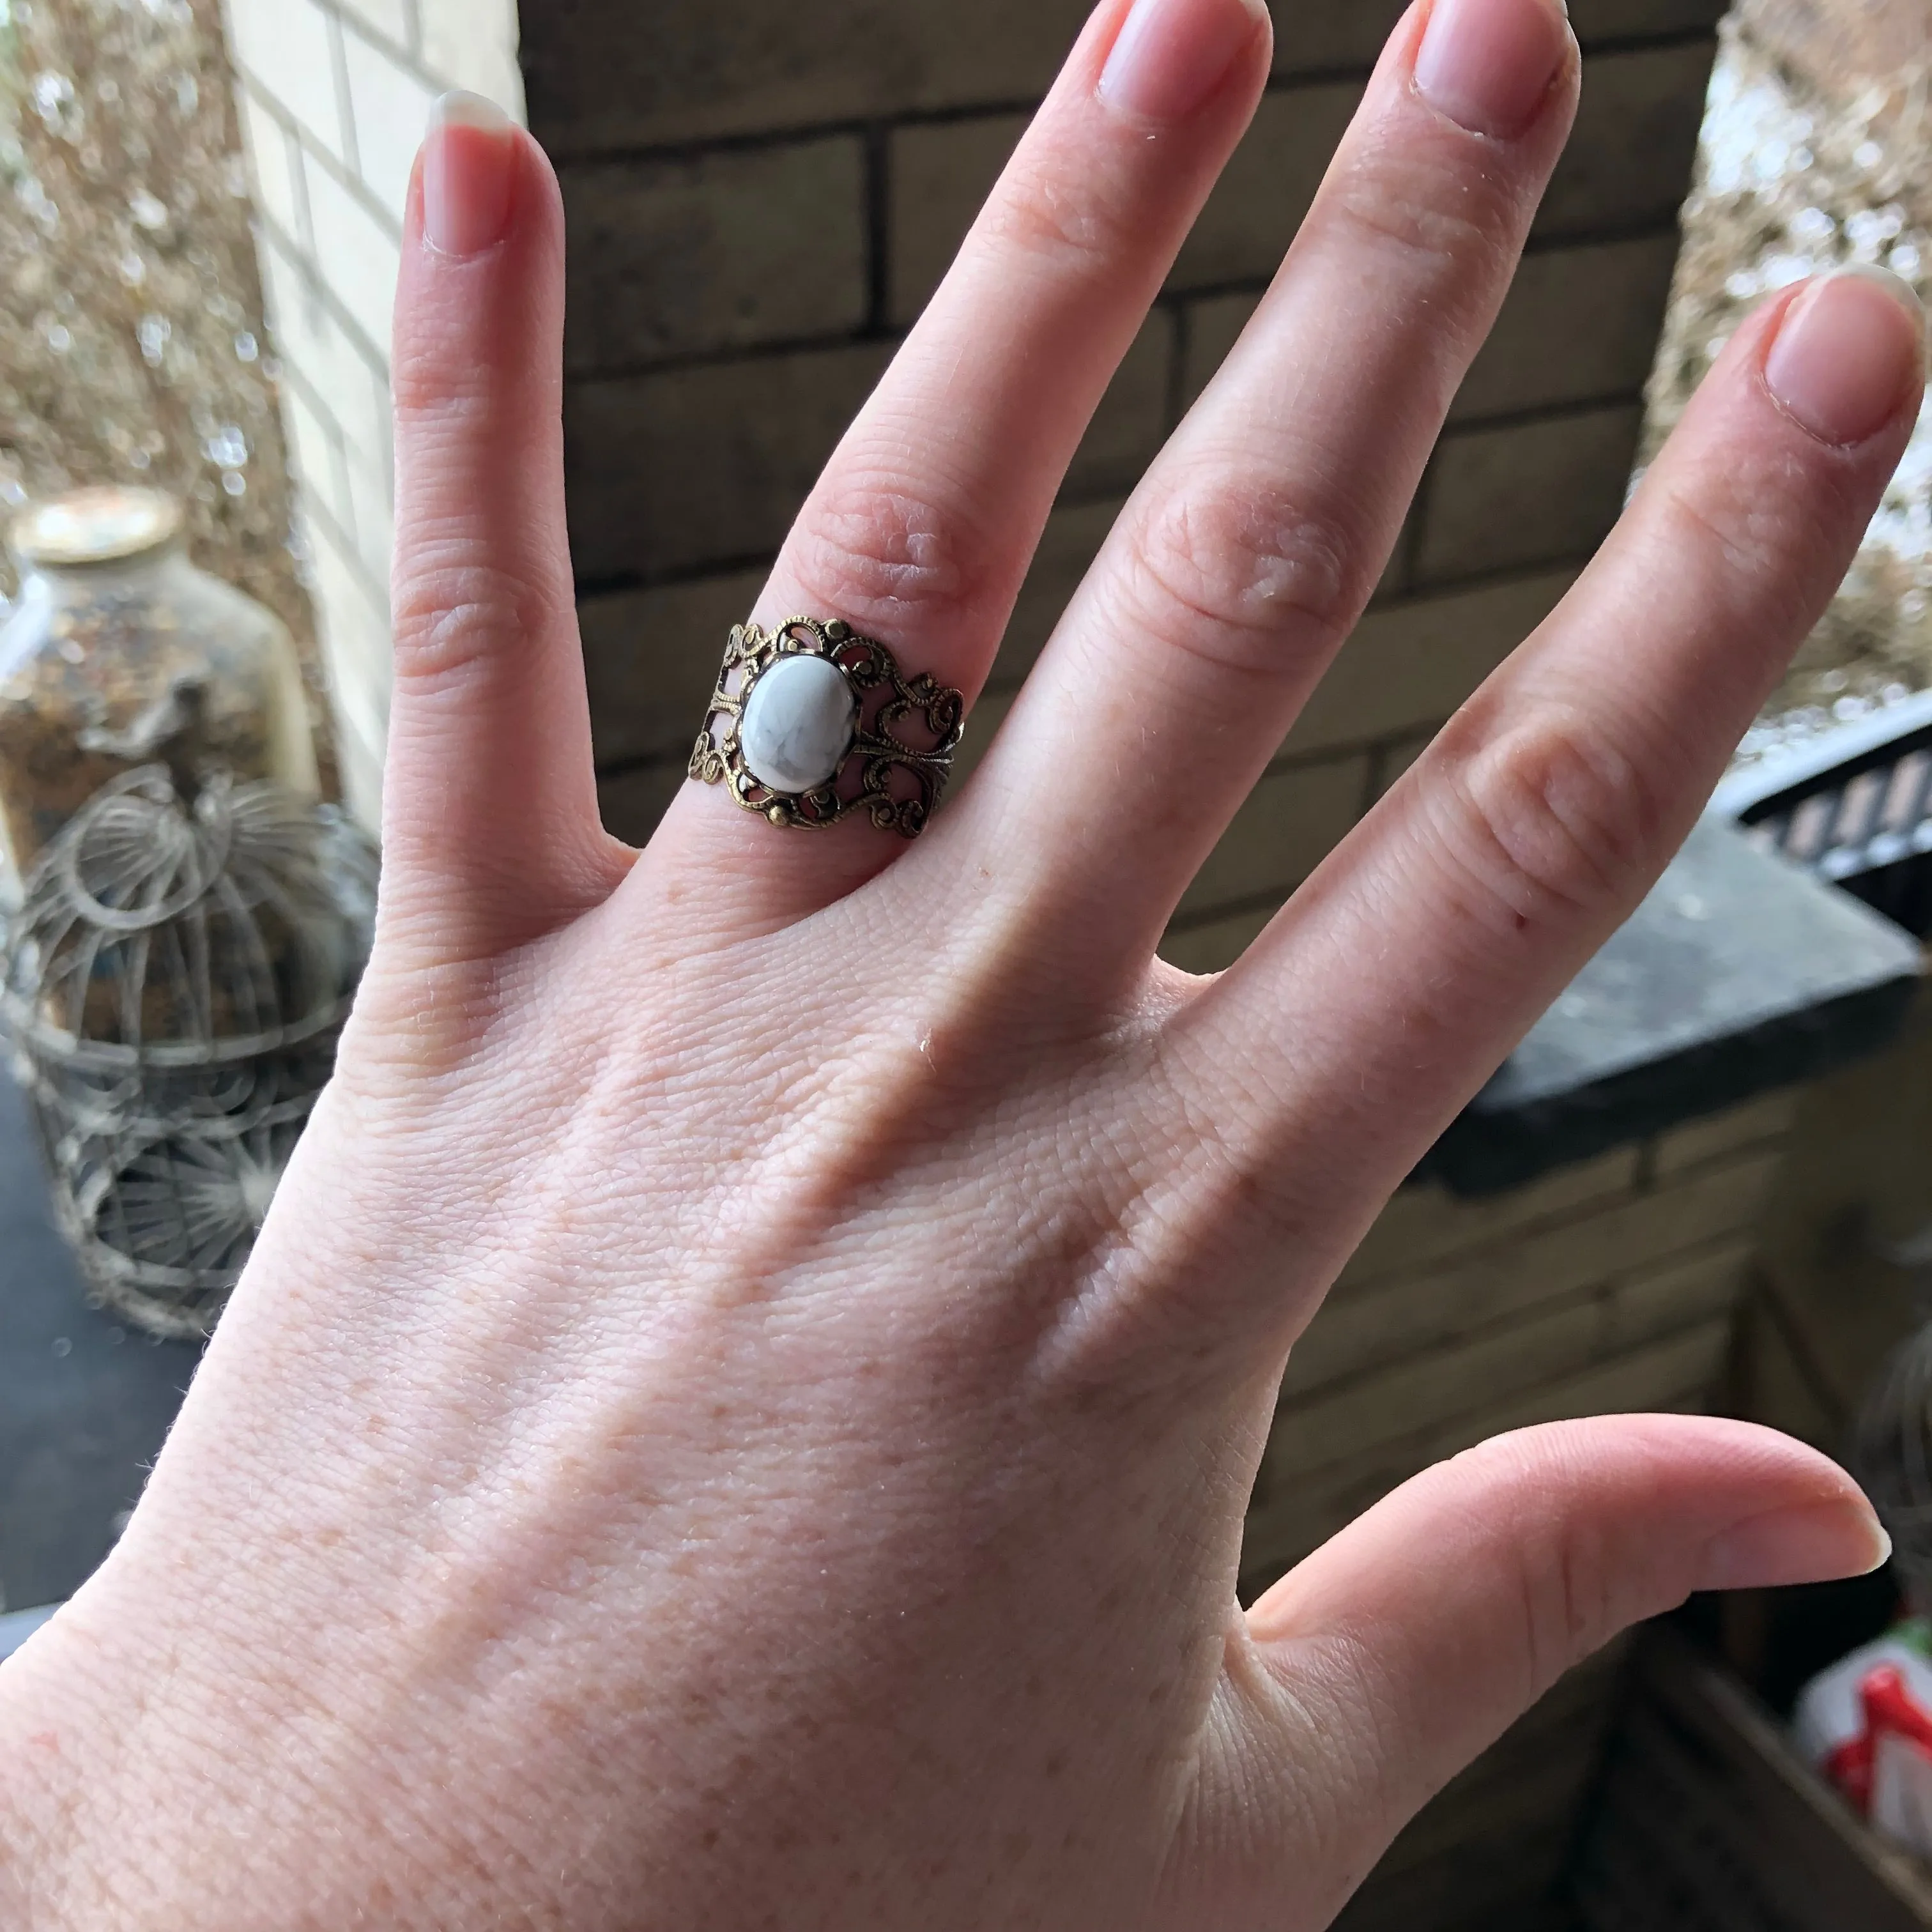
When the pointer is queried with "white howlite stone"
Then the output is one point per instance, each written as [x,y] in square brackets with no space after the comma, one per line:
[798,724]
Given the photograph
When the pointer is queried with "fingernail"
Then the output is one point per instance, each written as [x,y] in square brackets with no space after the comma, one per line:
[1490,65]
[1172,55]
[1850,354]
[469,158]
[1817,1544]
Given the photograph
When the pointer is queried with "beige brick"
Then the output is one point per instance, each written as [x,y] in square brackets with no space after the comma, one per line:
[633,803]
[311,339]
[1686,1294]
[360,257]
[1554,1744]
[1296,1509]
[1213,326]
[1618,19]
[1631,1227]
[940,174]
[1130,425]
[286,48]
[1291,823]
[651,659]
[1215,947]
[671,258]
[1423,1226]
[359,597]
[388,18]
[274,168]
[359,759]
[1536,493]
[1314,1432]
[1769,1118]
[1361,1328]
[1628,164]
[472,44]
[353,623]
[695,467]
[596,84]
[375,522]
[1410,664]
[1328,36]
[317,450]
[1580,324]
[389,107]
[1067,548]
[1254,212]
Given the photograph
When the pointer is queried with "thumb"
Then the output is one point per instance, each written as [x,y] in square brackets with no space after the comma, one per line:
[1395,1655]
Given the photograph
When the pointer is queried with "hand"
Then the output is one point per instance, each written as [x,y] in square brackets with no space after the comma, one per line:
[742,1413]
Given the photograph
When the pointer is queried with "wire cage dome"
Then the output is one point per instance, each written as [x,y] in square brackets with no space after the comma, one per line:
[178,974]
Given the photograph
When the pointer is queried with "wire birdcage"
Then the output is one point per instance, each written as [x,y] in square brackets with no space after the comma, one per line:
[177,975]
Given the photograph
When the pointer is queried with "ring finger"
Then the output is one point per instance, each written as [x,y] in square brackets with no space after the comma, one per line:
[921,530]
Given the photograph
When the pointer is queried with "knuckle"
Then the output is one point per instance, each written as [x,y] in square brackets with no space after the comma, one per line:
[452,609]
[1401,198]
[1758,525]
[880,554]
[431,388]
[1569,1589]
[1051,209]
[1549,819]
[1227,573]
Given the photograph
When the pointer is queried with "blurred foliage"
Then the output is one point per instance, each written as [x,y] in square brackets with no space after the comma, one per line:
[132,345]
[1798,176]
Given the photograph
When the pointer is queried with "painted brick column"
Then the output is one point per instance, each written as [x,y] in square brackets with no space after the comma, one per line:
[334,95]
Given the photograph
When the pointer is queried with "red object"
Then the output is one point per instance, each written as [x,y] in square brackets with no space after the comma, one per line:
[1889,1707]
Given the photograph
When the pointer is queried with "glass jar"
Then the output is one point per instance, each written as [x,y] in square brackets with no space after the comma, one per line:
[119,655]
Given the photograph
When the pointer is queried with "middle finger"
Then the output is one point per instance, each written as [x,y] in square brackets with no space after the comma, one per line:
[1256,540]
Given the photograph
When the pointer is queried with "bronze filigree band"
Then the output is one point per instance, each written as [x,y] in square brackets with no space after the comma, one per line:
[899,784]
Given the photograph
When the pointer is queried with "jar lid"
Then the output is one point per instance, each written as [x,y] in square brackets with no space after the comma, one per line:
[109,525]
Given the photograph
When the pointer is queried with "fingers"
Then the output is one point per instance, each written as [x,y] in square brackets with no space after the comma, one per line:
[1412,1641]
[1255,542]
[490,827]
[921,530]
[1426,947]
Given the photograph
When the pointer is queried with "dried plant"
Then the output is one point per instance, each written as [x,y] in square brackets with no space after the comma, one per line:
[132,346]
[1790,182]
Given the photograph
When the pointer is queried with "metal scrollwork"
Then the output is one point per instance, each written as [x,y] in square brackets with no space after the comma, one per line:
[899,785]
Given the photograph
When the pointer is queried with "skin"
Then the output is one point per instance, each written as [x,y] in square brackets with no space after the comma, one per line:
[742,1413]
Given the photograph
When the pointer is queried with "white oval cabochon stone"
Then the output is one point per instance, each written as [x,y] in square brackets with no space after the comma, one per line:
[798,724]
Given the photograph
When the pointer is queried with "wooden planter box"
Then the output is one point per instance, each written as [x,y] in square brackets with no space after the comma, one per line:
[1707,1821]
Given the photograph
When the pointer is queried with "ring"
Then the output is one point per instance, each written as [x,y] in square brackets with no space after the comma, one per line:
[796,708]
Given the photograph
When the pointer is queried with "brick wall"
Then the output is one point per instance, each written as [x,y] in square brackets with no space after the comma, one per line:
[1613,1288]
[762,197]
[334,95]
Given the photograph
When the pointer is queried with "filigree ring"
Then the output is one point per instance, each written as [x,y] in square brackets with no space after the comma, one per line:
[807,725]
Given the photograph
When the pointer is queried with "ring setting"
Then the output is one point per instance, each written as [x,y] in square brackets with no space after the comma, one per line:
[800,712]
